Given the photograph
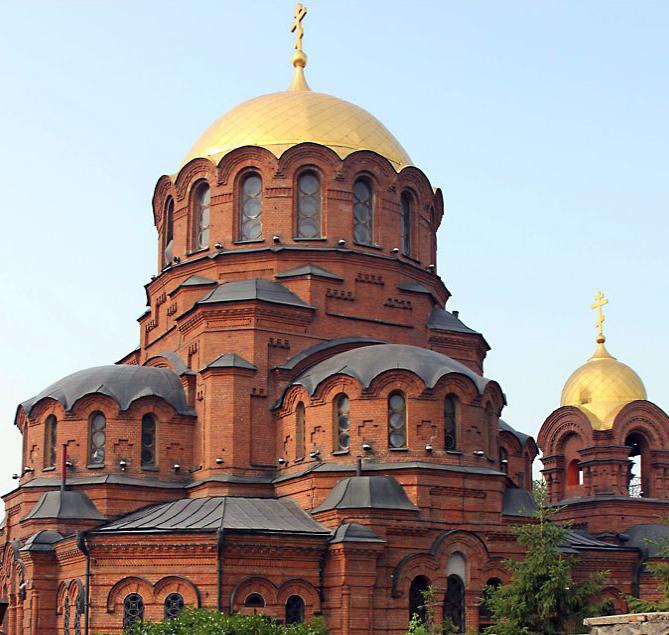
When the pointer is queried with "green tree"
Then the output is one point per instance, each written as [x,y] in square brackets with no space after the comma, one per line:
[208,622]
[661,572]
[541,596]
[429,626]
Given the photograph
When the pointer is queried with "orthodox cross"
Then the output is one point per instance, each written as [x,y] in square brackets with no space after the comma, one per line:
[600,301]
[296,26]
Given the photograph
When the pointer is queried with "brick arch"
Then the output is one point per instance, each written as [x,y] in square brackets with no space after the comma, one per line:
[456,384]
[509,440]
[85,406]
[238,160]
[301,587]
[331,386]
[177,584]
[365,161]
[559,423]
[192,172]
[493,394]
[396,379]
[313,154]
[410,566]
[164,188]
[252,584]
[292,396]
[127,585]
[469,544]
[644,417]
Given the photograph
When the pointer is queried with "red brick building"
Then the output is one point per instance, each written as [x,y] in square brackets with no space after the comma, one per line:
[304,427]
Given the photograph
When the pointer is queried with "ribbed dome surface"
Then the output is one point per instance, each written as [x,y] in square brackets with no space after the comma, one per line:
[601,388]
[281,120]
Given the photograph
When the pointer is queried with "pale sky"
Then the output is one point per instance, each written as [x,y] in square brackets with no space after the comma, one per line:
[546,124]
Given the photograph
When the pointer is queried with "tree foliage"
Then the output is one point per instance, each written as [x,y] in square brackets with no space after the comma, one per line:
[429,627]
[541,596]
[660,570]
[208,622]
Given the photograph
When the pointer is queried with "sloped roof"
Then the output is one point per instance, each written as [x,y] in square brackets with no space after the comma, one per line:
[230,360]
[323,346]
[308,269]
[649,538]
[123,383]
[367,492]
[67,505]
[368,362]
[229,513]
[255,289]
[42,541]
[521,436]
[518,502]
[415,287]
[354,532]
[196,280]
[579,540]
[443,320]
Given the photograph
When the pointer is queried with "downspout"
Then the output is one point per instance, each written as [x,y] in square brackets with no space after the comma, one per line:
[219,570]
[83,547]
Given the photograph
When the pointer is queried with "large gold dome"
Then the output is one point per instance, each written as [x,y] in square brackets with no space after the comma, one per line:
[281,120]
[601,387]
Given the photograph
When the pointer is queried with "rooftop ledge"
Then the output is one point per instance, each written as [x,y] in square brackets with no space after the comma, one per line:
[628,618]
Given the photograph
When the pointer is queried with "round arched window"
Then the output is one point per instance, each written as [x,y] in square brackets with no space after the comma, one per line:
[174,604]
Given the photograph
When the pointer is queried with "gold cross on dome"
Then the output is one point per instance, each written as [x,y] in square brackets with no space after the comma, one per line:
[296,26]
[600,301]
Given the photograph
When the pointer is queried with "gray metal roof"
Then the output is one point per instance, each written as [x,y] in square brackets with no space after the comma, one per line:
[415,287]
[229,513]
[521,436]
[579,540]
[442,320]
[230,360]
[367,492]
[354,342]
[255,289]
[42,541]
[518,502]
[368,362]
[354,532]
[179,365]
[308,269]
[67,505]
[196,280]
[648,538]
[123,383]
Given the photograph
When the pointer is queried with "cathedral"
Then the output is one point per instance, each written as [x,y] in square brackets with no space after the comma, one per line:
[305,429]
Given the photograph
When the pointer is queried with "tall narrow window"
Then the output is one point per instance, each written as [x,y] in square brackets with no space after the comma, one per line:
[50,441]
[488,421]
[454,602]
[202,203]
[97,436]
[174,604]
[450,422]
[417,604]
[342,423]
[148,440]
[294,610]
[504,460]
[406,223]
[66,616]
[299,430]
[363,213]
[250,211]
[308,206]
[397,420]
[168,231]
[133,609]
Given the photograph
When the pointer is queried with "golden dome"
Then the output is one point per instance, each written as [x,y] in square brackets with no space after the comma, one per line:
[601,387]
[281,120]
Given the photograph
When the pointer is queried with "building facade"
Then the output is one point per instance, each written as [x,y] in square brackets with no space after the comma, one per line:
[304,428]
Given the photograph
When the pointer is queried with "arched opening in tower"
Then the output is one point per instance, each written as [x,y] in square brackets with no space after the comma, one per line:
[637,478]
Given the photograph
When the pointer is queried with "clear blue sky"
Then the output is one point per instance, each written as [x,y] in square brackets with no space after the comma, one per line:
[545,123]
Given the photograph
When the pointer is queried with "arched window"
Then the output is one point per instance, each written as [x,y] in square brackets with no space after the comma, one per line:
[574,473]
[488,419]
[504,460]
[363,212]
[308,206]
[485,616]
[250,208]
[50,441]
[133,609]
[299,430]
[202,203]
[342,423]
[417,590]
[168,231]
[67,609]
[407,213]
[148,440]
[397,420]
[79,611]
[450,422]
[638,483]
[255,601]
[97,435]
[454,602]
[174,604]
[294,610]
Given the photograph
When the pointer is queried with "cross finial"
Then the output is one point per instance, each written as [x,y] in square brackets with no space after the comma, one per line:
[600,301]
[296,26]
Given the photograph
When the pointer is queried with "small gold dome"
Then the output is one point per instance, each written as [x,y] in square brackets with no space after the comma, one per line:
[281,120]
[601,387]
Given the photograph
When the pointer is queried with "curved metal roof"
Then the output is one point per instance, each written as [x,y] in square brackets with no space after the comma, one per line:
[123,383]
[367,492]
[69,505]
[368,362]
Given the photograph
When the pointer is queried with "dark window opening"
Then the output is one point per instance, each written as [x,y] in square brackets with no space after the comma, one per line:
[148,440]
[450,422]
[255,600]
[454,602]
[419,587]
[294,610]
[174,604]
[133,609]
[363,213]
